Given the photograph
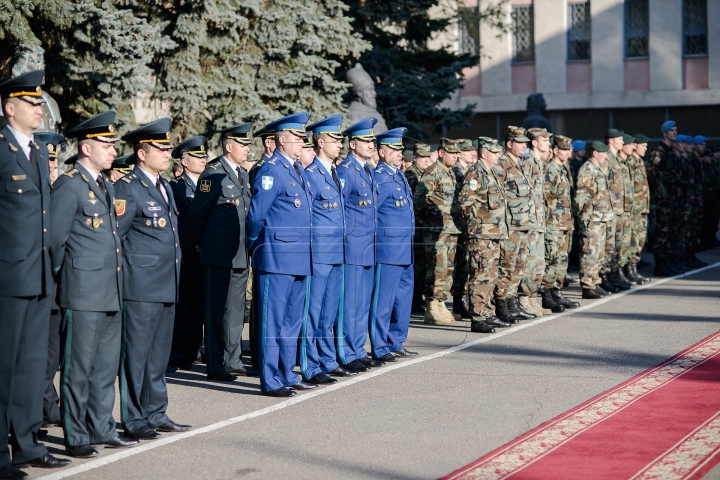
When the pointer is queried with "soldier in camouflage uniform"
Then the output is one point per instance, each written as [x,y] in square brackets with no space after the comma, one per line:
[532,166]
[711,216]
[613,169]
[682,231]
[597,220]
[625,248]
[421,161]
[468,157]
[577,161]
[481,206]
[695,203]
[640,207]
[521,218]
[558,224]
[436,199]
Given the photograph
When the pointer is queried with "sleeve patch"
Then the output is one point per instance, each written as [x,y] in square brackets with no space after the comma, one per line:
[119,207]
[205,185]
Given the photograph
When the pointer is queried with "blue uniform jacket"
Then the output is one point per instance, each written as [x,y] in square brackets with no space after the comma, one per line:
[151,245]
[280,218]
[360,212]
[24,220]
[395,218]
[328,216]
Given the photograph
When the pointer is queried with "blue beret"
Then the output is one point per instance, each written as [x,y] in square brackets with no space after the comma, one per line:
[578,145]
[667,126]
[699,139]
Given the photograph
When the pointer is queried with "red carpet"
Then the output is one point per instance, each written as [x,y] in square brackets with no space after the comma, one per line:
[661,424]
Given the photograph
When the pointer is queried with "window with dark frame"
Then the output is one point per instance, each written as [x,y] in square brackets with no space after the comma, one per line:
[694,27]
[523,34]
[579,31]
[636,29]
[469,30]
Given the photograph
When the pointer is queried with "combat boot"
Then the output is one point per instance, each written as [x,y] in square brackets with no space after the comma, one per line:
[452,316]
[662,268]
[549,302]
[621,275]
[434,314]
[607,286]
[560,299]
[696,262]
[534,300]
[526,305]
[642,280]
[591,294]
[496,322]
[481,326]
[615,279]
[459,307]
[515,310]
[630,275]
[502,312]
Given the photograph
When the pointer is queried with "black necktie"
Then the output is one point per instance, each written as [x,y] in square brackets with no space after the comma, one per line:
[101,185]
[368,171]
[33,158]
[334,176]
[160,190]
[297,169]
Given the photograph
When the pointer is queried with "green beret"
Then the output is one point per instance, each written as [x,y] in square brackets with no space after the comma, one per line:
[613,133]
[598,147]
[640,138]
[627,139]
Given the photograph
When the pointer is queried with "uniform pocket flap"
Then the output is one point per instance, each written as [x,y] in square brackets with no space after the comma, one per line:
[398,195]
[291,193]
[18,187]
[142,260]
[88,263]
[397,231]
[12,254]
[327,231]
[287,235]
[327,195]
[91,210]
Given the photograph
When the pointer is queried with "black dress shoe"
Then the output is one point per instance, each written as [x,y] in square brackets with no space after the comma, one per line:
[371,363]
[42,433]
[223,376]
[11,472]
[341,372]
[321,378]
[591,294]
[143,433]
[170,369]
[280,392]
[82,451]
[388,357]
[481,327]
[46,461]
[171,426]
[496,322]
[356,366]
[237,371]
[405,353]
[303,385]
[120,442]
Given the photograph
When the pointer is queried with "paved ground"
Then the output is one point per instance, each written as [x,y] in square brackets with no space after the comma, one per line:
[466,395]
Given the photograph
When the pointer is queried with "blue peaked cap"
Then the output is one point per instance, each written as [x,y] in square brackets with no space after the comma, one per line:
[699,139]
[362,129]
[291,123]
[392,138]
[329,126]
[578,145]
[667,126]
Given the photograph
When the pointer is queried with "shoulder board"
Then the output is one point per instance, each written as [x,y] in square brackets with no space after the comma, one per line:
[273,161]
[346,165]
[126,179]
[379,170]
[311,168]
[71,173]
[2,136]
[214,166]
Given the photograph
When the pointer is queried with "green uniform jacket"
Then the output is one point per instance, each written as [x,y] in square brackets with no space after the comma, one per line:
[521,212]
[592,198]
[481,204]
[558,204]
[436,199]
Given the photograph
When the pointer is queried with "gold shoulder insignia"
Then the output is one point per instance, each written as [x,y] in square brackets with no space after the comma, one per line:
[2,136]
[13,147]
[214,166]
[126,179]
[144,184]
[71,173]
[84,177]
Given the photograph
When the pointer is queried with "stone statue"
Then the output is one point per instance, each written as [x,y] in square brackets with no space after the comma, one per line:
[536,108]
[364,105]
[28,59]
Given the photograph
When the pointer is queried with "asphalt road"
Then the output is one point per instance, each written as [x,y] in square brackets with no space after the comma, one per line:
[466,395]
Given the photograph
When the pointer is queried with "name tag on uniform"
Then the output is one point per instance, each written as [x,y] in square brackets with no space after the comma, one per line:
[154,209]
[17,178]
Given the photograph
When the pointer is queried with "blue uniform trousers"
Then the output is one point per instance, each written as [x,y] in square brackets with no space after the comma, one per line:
[391,304]
[352,328]
[281,300]
[147,340]
[23,358]
[317,341]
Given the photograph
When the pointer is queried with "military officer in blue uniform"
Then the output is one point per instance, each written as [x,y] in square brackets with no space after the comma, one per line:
[394,278]
[147,225]
[25,279]
[358,184]
[217,217]
[189,312]
[86,257]
[318,356]
[278,235]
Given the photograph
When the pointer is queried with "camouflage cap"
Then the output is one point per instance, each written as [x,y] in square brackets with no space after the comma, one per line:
[563,143]
[449,146]
[517,134]
[489,144]
[534,133]
[465,145]
[597,147]
[422,150]
[640,138]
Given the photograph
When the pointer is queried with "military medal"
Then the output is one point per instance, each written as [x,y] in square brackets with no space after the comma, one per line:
[91,195]
[95,221]
[325,205]
[237,201]
[335,205]
[155,222]
[148,222]
[297,203]
[162,222]
[397,203]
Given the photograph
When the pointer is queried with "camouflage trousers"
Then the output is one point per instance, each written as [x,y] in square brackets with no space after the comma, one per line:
[610,259]
[440,257]
[484,259]
[535,263]
[639,234]
[461,274]
[557,244]
[513,255]
[595,237]
[667,231]
[625,248]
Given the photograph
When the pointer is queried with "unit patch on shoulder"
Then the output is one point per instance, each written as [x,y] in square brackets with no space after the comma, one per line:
[119,207]
[267,182]
[205,185]
[473,184]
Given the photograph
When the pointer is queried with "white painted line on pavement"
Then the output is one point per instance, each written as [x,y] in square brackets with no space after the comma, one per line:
[145,446]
